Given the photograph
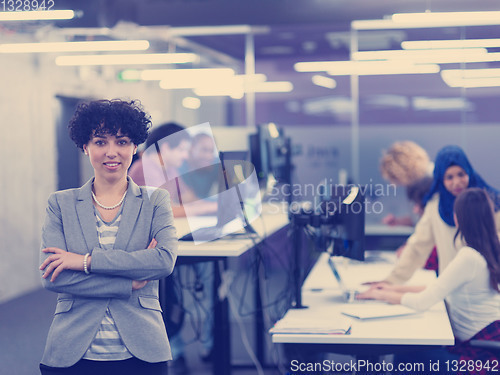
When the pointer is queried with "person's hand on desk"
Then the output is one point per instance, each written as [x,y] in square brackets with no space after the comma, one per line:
[392,220]
[388,292]
[385,295]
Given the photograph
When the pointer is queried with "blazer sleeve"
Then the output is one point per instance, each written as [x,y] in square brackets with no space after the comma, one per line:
[76,282]
[416,251]
[144,264]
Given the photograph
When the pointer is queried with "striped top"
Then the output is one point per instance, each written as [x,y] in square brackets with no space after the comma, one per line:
[107,344]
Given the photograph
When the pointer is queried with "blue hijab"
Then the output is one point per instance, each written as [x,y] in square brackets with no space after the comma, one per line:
[449,156]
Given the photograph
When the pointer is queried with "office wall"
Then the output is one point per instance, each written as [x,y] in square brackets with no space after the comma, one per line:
[27,161]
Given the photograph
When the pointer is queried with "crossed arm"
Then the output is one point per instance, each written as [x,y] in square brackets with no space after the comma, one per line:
[61,260]
[105,281]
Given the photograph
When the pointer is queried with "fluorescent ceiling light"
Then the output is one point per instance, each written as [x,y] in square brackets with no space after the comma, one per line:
[473,73]
[471,78]
[435,56]
[441,19]
[37,15]
[421,103]
[428,20]
[237,91]
[137,59]
[110,45]
[323,81]
[342,68]
[182,74]
[191,102]
[443,44]
[207,78]
[276,86]
[233,92]
[217,30]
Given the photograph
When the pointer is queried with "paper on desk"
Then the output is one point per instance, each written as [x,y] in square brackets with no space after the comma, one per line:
[334,325]
[374,311]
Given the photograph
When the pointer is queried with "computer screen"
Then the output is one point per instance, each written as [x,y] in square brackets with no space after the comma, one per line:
[238,200]
[346,208]
[270,154]
[239,193]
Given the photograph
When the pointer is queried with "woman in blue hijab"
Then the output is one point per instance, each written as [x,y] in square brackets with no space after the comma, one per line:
[453,174]
[452,169]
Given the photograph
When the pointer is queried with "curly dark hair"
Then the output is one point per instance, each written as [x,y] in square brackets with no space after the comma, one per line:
[108,117]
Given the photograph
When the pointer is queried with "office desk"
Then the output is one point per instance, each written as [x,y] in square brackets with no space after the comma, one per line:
[272,219]
[377,336]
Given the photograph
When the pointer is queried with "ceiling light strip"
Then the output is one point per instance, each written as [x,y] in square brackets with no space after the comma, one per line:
[137,59]
[366,67]
[37,15]
[451,44]
[414,55]
[109,45]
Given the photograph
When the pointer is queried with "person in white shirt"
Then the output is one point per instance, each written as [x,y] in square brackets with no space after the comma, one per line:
[469,284]
[453,173]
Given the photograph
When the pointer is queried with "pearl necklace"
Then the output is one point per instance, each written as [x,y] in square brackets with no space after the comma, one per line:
[108,207]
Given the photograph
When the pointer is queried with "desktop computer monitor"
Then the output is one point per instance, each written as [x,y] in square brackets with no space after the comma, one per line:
[346,208]
[239,180]
[270,154]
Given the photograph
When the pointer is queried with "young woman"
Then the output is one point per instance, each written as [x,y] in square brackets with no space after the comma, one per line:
[104,248]
[470,283]
[452,174]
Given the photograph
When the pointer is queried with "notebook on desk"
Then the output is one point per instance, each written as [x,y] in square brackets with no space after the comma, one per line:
[375,311]
[318,326]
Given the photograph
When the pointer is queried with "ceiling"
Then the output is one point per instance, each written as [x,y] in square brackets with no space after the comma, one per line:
[301,30]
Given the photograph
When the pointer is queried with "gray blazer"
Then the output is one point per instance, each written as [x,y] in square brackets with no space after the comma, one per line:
[82,301]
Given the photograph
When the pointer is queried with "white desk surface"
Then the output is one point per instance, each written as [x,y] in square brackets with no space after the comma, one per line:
[272,219]
[324,300]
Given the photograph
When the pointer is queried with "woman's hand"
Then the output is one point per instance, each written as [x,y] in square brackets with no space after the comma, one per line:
[61,260]
[136,285]
[389,296]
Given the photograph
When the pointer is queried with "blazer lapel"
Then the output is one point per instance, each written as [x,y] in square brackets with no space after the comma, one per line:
[130,213]
[86,216]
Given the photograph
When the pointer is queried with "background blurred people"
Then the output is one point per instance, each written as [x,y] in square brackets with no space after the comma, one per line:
[469,284]
[201,170]
[453,174]
[167,149]
[404,164]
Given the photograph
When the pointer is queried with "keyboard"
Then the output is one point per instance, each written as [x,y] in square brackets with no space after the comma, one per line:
[203,234]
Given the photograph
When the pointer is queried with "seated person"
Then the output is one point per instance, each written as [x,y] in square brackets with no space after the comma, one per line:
[167,148]
[470,283]
[201,169]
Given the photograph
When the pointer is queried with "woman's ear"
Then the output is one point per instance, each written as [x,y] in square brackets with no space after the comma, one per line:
[135,149]
[85,150]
